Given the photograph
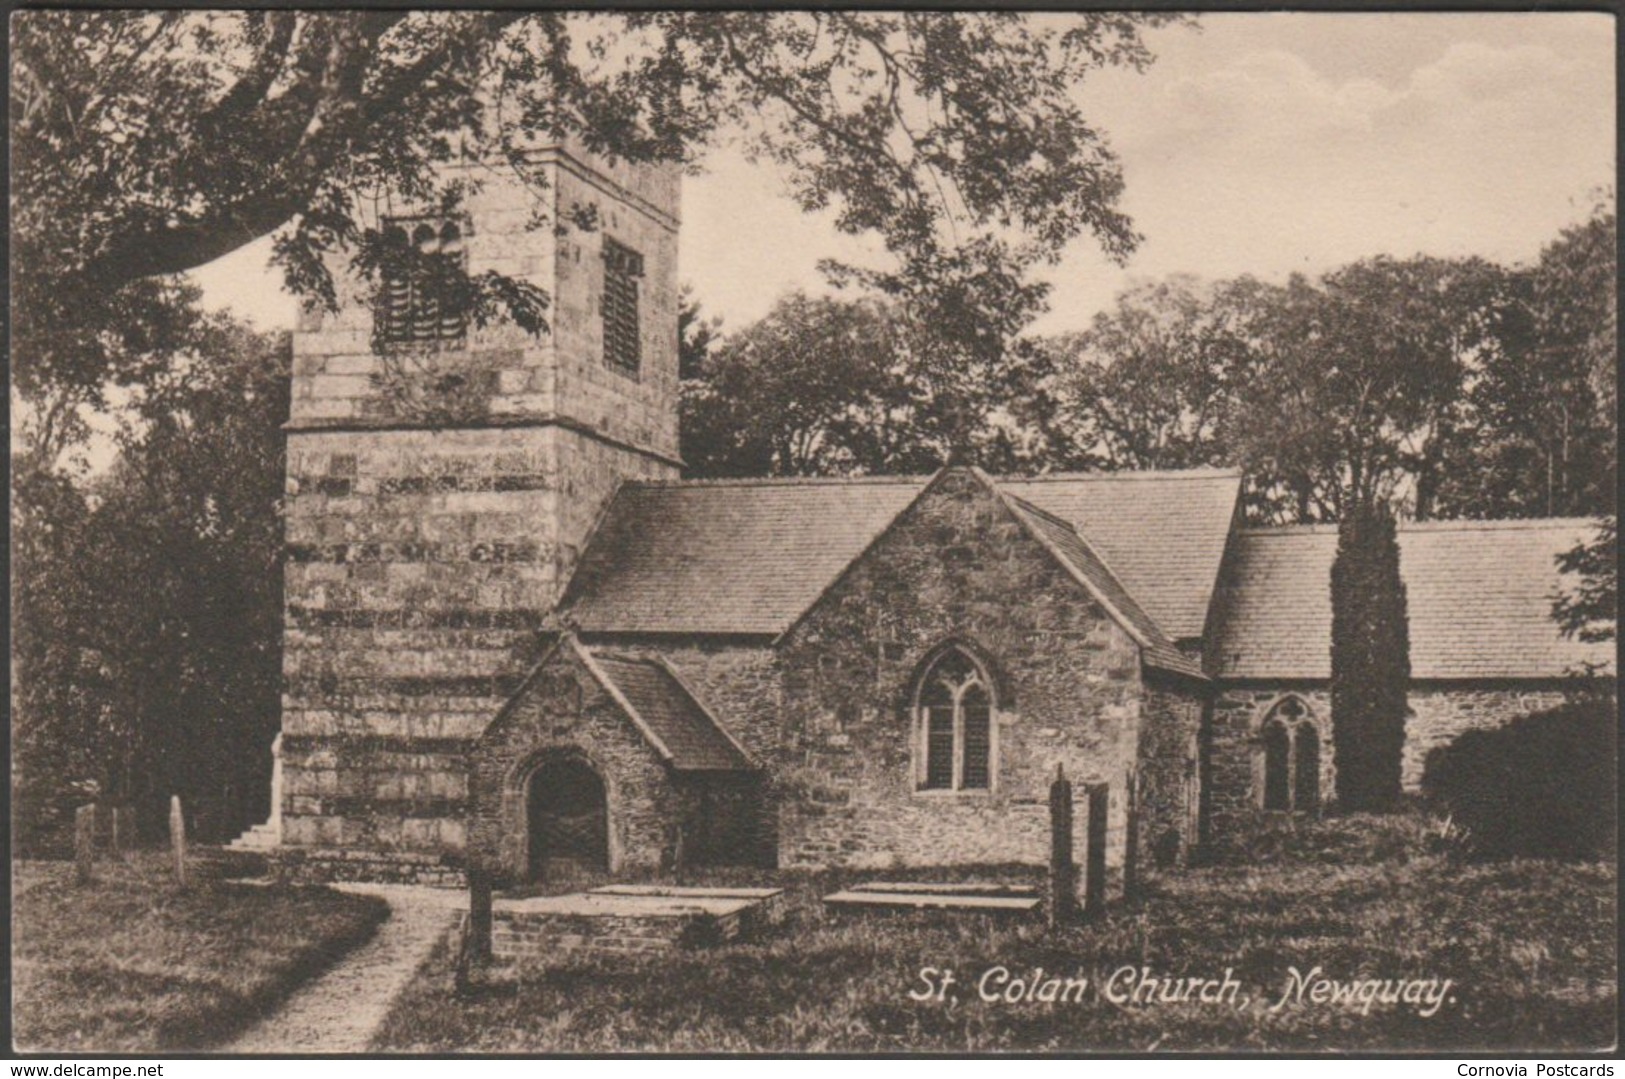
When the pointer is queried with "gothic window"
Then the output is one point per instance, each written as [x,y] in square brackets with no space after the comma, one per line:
[1291,758]
[623,269]
[955,719]
[420,298]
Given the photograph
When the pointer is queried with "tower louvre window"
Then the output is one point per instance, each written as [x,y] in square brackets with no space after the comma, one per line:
[421,298]
[623,269]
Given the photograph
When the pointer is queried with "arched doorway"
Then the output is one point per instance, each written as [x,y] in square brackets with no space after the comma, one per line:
[567,813]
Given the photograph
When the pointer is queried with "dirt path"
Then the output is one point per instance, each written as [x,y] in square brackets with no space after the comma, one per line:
[338,1012]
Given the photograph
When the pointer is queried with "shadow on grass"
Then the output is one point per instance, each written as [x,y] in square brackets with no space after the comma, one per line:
[1528,948]
[133,963]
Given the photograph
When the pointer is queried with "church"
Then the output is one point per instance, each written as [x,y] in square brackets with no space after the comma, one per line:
[516,639]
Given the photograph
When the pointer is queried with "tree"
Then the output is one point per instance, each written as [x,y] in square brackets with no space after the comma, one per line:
[827,385]
[1370,660]
[57,694]
[1145,385]
[1588,608]
[1348,391]
[148,143]
[810,389]
[148,605]
[189,577]
[1539,434]
[696,336]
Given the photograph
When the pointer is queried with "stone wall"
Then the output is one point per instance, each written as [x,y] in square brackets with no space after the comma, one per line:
[564,712]
[1439,713]
[1169,779]
[507,375]
[423,552]
[956,566]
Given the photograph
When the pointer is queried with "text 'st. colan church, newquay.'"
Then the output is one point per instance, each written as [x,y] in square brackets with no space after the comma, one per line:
[515,638]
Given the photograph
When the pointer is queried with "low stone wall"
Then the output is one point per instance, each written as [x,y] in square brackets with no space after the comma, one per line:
[620,923]
[536,936]
[299,865]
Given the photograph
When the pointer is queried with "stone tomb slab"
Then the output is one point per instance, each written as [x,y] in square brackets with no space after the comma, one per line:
[547,925]
[768,909]
[928,897]
[964,888]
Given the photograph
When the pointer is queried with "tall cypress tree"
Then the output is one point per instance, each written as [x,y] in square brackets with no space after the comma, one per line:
[1371,664]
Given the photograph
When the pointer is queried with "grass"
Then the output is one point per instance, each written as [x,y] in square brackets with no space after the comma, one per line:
[1529,946]
[133,963]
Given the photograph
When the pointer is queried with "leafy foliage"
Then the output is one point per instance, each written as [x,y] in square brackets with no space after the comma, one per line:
[1371,665]
[148,143]
[150,614]
[1145,385]
[1589,610]
[823,386]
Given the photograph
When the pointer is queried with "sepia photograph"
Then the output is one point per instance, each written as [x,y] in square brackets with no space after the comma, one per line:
[785,532]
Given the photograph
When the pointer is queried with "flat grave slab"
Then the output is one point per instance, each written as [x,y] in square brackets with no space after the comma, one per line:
[907,887]
[768,904]
[852,899]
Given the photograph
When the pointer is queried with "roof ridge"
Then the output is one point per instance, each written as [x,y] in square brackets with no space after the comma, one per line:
[780,481]
[1095,552]
[1500,524]
[1204,472]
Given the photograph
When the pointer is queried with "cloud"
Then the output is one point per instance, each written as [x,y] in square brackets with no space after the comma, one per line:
[1256,160]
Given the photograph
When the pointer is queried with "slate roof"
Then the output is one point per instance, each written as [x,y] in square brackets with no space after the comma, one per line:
[726,557]
[684,733]
[1162,532]
[1076,553]
[750,556]
[1479,593]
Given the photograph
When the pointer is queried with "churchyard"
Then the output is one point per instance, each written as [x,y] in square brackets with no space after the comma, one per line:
[132,961]
[1219,957]
[1528,947]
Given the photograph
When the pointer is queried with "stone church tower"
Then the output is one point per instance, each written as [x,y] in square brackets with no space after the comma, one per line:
[442,478]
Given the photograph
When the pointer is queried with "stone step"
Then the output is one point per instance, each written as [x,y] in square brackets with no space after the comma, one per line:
[968,904]
[260,837]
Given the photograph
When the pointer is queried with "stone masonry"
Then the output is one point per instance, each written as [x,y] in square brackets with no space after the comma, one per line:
[958,567]
[425,550]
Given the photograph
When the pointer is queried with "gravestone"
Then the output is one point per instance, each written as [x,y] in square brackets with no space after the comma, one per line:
[120,825]
[479,916]
[1131,835]
[1094,863]
[84,843]
[177,838]
[1063,870]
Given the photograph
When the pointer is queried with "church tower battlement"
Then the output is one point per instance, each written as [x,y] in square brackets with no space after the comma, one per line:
[442,478]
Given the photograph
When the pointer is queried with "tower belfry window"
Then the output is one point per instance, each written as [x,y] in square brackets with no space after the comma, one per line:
[421,291]
[623,270]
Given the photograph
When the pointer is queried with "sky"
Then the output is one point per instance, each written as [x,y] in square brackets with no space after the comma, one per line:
[1261,143]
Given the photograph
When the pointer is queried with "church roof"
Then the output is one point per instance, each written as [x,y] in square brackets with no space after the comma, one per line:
[1163,533]
[750,556]
[1479,595]
[676,723]
[1085,564]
